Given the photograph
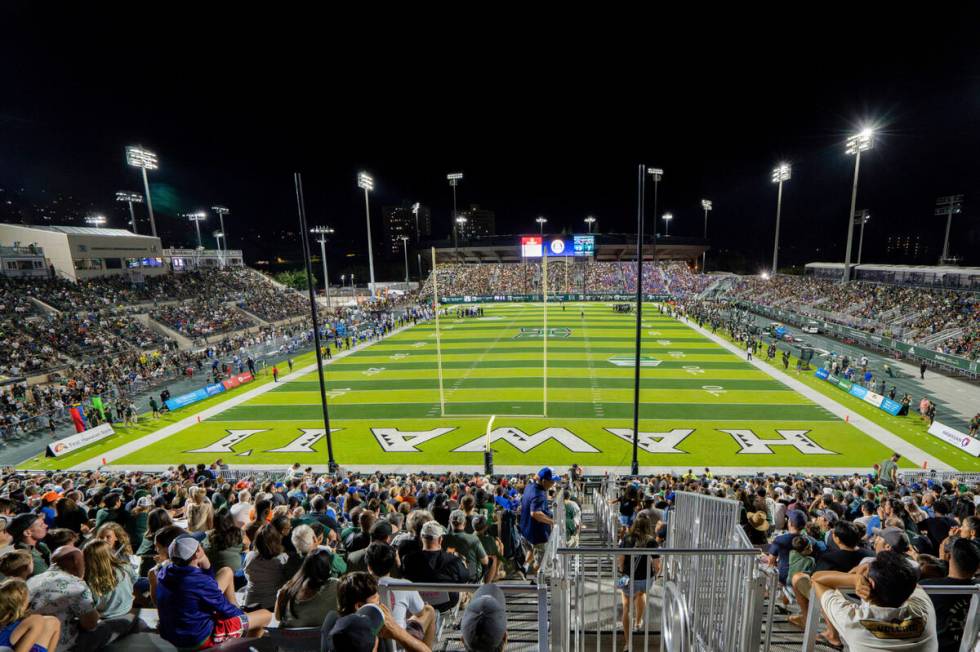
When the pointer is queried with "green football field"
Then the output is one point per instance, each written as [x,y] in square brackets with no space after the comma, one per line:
[700,405]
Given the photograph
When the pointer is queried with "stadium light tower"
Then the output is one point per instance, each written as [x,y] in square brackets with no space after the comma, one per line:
[323,232]
[541,222]
[454,179]
[222,211]
[667,218]
[590,221]
[218,235]
[859,142]
[657,174]
[706,205]
[197,218]
[366,181]
[948,206]
[130,198]
[418,238]
[404,239]
[780,173]
[861,218]
[145,160]
[95,220]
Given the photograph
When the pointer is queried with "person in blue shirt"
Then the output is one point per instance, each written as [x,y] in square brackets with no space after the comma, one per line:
[194,612]
[536,518]
[781,546]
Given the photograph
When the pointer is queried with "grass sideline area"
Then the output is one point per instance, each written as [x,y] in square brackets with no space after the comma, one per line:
[700,404]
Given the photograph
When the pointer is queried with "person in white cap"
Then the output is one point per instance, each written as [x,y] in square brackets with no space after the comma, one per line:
[194,612]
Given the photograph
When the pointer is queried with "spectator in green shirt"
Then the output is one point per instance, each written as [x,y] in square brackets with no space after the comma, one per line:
[467,546]
[492,546]
[889,472]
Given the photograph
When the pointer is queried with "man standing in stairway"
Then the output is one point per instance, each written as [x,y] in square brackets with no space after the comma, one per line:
[536,517]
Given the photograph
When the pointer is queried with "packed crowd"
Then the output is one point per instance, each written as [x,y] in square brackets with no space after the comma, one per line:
[273,304]
[495,279]
[911,314]
[219,559]
[201,318]
[876,534]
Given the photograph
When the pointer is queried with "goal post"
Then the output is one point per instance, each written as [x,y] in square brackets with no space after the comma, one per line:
[435,311]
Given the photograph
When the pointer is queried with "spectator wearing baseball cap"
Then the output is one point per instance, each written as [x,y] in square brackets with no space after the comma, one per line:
[781,546]
[47,507]
[362,620]
[536,518]
[433,564]
[194,611]
[484,623]
[466,545]
[28,531]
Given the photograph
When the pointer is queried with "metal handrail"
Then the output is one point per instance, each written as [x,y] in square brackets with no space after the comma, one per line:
[659,551]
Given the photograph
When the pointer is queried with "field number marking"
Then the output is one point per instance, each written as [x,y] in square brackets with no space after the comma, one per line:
[373,371]
[714,390]
[693,369]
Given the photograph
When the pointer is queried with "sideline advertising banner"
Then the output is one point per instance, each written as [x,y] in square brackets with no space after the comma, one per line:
[866,395]
[69,444]
[208,391]
[955,438]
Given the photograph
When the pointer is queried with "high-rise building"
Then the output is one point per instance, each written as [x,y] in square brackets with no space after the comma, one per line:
[399,221]
[479,222]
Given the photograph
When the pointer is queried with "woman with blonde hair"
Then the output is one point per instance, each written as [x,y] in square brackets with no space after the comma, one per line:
[200,514]
[18,629]
[110,579]
[117,538]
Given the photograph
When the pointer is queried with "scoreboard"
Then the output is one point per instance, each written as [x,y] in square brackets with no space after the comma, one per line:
[533,246]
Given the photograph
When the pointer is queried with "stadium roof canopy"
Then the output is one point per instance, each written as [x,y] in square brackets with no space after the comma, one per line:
[86,230]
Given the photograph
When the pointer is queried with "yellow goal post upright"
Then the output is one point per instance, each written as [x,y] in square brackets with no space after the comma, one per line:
[544,293]
[435,311]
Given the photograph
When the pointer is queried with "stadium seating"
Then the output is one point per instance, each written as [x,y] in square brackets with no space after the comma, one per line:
[946,320]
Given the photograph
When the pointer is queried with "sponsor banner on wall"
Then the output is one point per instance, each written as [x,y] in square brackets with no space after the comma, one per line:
[890,406]
[236,380]
[858,391]
[866,395]
[955,438]
[84,438]
[186,399]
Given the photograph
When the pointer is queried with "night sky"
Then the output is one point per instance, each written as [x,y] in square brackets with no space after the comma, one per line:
[544,116]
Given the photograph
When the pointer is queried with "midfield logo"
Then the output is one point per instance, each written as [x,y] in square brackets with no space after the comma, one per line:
[553,333]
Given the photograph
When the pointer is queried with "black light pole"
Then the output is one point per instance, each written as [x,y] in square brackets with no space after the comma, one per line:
[303,231]
[641,180]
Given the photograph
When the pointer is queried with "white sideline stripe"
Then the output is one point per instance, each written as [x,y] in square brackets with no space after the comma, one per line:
[873,430]
[183,424]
